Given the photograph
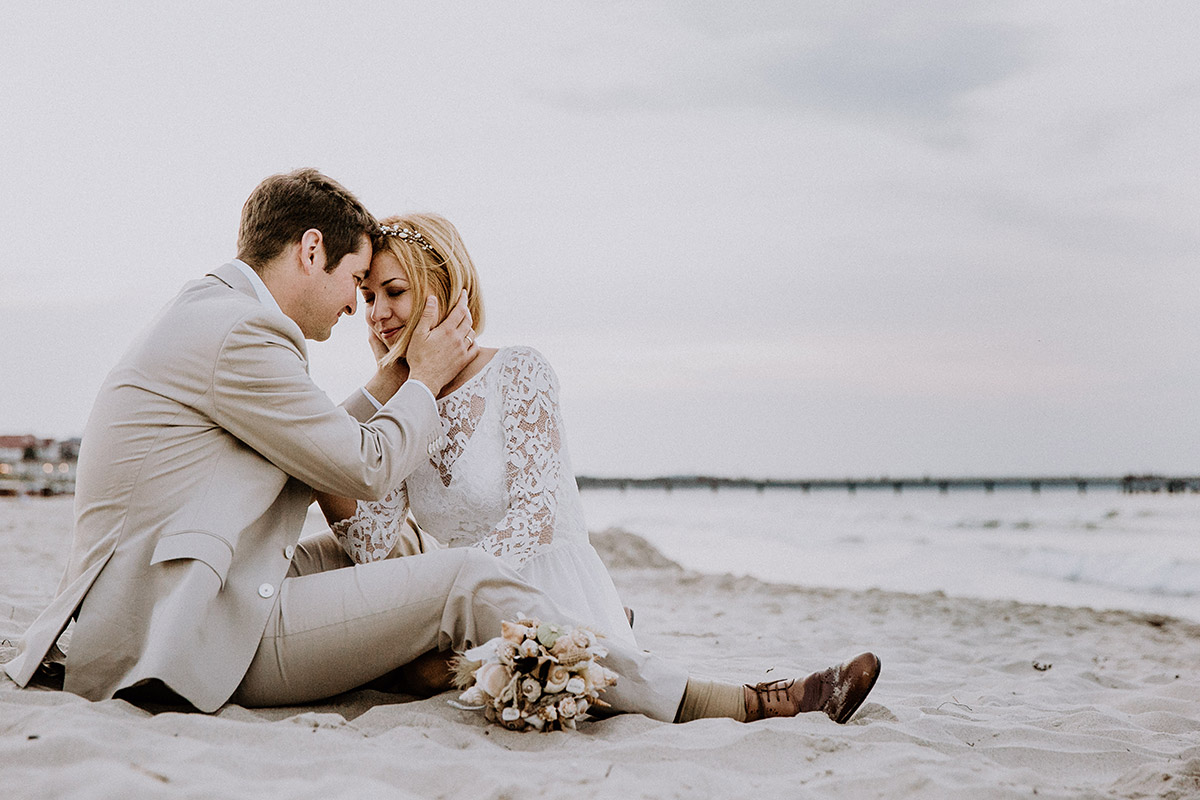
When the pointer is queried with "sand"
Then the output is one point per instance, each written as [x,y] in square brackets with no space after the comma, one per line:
[977,699]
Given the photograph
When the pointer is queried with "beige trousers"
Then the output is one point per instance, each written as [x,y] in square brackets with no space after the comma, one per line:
[337,626]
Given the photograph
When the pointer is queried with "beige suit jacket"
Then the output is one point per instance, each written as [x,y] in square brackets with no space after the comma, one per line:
[195,474]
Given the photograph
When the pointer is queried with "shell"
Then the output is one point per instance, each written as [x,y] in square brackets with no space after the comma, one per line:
[530,689]
[529,648]
[511,718]
[571,656]
[513,632]
[473,697]
[492,678]
[509,691]
[556,678]
[576,685]
[600,677]
[547,635]
[506,651]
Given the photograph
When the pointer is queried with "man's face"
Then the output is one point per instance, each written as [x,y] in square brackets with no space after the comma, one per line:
[333,293]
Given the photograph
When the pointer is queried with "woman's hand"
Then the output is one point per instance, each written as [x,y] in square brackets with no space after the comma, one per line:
[387,380]
[379,347]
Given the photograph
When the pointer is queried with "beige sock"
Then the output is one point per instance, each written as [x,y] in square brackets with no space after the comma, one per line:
[706,699]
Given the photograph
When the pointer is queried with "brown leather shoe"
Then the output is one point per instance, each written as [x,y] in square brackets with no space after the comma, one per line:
[838,691]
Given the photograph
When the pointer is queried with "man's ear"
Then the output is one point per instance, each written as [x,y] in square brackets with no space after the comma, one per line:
[311,252]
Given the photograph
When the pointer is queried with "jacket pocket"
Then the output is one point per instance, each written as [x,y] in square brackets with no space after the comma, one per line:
[201,546]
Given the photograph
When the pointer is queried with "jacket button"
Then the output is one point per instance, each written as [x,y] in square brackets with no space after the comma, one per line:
[289,551]
[266,590]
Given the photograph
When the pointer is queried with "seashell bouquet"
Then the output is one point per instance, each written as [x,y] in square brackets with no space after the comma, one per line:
[534,676]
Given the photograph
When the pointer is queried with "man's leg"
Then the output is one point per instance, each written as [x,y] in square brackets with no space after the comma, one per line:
[322,551]
[389,612]
[429,673]
[335,630]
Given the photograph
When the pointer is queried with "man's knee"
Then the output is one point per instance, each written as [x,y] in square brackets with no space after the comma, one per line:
[478,567]
[412,541]
[320,552]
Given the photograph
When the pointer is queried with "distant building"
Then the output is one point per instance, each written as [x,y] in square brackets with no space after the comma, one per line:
[32,465]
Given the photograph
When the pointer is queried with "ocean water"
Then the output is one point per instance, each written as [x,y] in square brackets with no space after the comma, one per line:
[1100,549]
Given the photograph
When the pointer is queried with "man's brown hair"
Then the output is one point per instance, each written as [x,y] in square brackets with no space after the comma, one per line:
[283,207]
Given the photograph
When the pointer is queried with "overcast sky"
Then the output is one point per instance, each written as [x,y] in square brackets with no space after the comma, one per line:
[755,239]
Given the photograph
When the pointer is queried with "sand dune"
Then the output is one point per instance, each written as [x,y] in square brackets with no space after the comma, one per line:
[978,699]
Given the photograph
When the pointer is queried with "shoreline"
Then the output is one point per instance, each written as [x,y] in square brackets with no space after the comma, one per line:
[620,549]
[613,548]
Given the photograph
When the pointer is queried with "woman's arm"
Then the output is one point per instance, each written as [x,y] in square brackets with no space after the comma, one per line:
[534,465]
[366,530]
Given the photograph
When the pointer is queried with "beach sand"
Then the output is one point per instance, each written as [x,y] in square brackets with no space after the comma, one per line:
[977,699]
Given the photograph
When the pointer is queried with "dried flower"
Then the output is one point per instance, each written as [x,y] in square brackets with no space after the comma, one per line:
[535,676]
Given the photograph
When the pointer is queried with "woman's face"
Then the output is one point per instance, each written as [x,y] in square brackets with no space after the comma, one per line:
[387,297]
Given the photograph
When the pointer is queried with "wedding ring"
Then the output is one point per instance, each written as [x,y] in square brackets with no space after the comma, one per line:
[470,340]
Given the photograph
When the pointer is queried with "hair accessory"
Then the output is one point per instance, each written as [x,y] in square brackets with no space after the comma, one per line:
[407,234]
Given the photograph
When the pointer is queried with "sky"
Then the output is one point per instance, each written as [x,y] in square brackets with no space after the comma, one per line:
[775,239]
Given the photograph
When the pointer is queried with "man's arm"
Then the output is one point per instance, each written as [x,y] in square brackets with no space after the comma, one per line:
[262,394]
[435,355]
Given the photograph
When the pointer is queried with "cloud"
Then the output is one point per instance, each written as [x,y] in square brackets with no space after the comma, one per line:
[874,70]
[920,64]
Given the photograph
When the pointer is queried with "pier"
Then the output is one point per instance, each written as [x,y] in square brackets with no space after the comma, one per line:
[30,465]
[1128,484]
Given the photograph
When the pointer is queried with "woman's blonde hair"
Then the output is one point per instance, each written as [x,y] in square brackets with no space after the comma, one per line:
[435,262]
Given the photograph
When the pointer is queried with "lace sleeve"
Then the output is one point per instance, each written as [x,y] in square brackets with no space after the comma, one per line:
[370,533]
[533,460]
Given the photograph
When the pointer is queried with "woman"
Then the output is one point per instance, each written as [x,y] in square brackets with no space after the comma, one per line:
[501,480]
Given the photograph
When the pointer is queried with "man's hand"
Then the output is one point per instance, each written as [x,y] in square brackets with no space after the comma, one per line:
[436,355]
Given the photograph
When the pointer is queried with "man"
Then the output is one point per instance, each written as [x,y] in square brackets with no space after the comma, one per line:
[196,470]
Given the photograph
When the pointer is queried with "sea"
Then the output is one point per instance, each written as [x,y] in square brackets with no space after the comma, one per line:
[1102,548]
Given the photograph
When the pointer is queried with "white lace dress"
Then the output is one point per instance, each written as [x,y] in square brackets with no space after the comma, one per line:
[502,482]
